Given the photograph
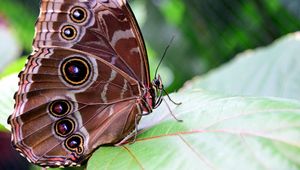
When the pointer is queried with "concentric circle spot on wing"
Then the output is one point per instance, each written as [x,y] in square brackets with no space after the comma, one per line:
[75,71]
[69,32]
[78,14]
[60,108]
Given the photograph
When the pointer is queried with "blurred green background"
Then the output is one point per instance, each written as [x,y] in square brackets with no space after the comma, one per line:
[207,33]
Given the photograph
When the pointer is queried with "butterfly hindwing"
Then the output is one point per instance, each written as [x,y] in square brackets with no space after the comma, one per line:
[101,110]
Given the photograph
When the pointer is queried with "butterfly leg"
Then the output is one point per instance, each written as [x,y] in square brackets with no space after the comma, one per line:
[170,98]
[170,111]
[158,102]
[159,92]
[159,99]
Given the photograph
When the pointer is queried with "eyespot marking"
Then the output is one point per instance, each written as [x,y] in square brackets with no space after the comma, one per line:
[75,143]
[64,127]
[78,14]
[75,70]
[60,108]
[68,32]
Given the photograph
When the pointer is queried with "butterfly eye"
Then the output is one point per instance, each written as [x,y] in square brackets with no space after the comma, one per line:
[75,143]
[68,32]
[78,14]
[60,108]
[64,127]
[75,71]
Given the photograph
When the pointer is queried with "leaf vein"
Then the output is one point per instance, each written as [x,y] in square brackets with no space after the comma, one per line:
[134,157]
[199,156]
[243,139]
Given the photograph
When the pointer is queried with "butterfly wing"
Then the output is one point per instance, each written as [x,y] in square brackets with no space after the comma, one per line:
[83,85]
[52,114]
[109,31]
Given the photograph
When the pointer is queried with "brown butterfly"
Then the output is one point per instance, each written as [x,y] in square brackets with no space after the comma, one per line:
[85,84]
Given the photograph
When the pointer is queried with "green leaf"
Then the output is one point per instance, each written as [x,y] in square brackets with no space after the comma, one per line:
[217,132]
[2,128]
[9,86]
[268,71]
[14,67]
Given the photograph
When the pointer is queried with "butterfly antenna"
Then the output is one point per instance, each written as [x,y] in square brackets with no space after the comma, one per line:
[162,58]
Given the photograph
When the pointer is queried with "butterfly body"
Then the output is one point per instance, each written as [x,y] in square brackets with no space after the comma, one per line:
[86,83]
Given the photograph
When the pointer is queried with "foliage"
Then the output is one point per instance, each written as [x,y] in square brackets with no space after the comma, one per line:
[21,20]
[220,131]
[14,67]
[217,132]
[210,33]
[231,119]
[269,71]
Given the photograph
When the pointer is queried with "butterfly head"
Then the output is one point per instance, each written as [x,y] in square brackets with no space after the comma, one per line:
[157,83]
[156,92]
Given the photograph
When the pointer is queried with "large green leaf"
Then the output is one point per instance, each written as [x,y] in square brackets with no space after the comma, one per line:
[268,71]
[217,132]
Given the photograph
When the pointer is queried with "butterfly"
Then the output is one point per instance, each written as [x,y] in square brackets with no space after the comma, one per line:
[86,83]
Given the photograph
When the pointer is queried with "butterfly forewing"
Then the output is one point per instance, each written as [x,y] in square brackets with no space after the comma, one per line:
[86,83]
[109,31]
